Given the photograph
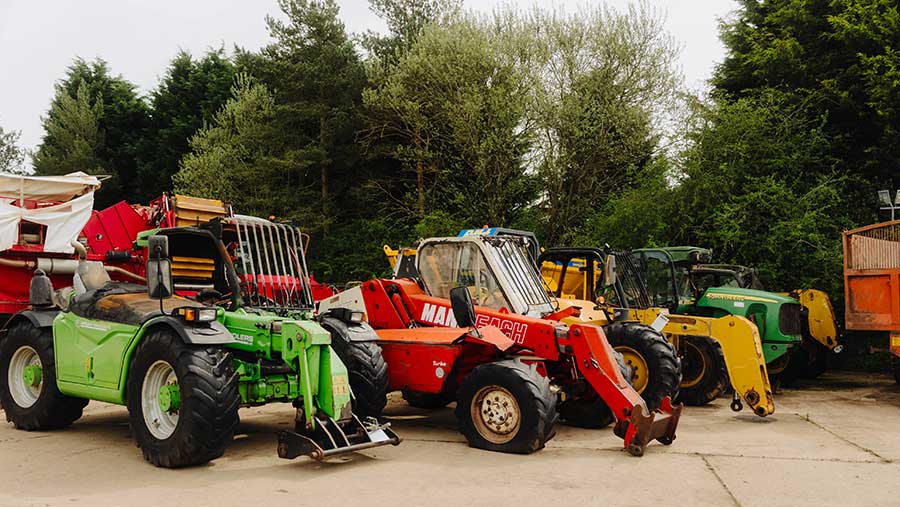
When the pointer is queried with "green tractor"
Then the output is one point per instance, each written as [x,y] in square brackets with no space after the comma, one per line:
[777,317]
[184,366]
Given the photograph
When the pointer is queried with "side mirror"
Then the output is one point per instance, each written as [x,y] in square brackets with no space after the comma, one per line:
[463,307]
[159,268]
[609,274]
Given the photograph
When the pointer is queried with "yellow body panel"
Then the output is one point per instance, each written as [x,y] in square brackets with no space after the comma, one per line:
[822,326]
[738,337]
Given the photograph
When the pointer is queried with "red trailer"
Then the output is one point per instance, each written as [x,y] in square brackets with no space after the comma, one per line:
[872,283]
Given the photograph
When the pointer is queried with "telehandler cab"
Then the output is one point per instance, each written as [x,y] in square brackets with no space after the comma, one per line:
[515,359]
[184,368]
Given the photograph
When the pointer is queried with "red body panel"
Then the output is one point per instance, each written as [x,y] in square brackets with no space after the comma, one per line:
[419,356]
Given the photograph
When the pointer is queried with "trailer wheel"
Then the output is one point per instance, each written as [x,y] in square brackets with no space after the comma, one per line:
[704,374]
[589,411]
[427,401]
[365,366]
[28,390]
[657,369]
[182,400]
[895,368]
[506,406]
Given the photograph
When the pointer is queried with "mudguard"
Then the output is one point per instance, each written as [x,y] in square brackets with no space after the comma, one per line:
[38,318]
[213,334]
[350,331]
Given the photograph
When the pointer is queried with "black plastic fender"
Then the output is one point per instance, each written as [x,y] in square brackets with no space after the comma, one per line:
[212,333]
[350,331]
[38,318]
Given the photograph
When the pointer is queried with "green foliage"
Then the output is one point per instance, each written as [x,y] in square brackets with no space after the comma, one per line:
[72,140]
[233,158]
[594,113]
[121,120]
[405,19]
[188,96]
[12,156]
[840,55]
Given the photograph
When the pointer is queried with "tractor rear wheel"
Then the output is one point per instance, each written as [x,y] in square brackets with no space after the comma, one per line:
[182,400]
[657,369]
[506,406]
[365,366]
[704,374]
[589,411]
[28,390]
[427,401]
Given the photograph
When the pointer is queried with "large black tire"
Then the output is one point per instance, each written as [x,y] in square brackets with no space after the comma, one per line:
[663,375]
[427,401]
[589,411]
[364,363]
[208,387]
[51,409]
[527,396]
[807,360]
[704,374]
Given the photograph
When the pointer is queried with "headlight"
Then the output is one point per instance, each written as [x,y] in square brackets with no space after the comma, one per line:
[193,314]
[357,317]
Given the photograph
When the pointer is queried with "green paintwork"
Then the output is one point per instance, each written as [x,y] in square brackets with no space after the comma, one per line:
[93,357]
[169,398]
[760,307]
[32,375]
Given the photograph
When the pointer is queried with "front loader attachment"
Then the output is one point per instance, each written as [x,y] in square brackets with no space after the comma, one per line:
[635,423]
[746,364]
[331,438]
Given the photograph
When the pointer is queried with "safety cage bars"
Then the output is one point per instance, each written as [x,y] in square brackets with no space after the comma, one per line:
[271,265]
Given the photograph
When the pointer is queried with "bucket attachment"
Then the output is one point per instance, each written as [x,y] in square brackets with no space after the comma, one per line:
[331,438]
[641,428]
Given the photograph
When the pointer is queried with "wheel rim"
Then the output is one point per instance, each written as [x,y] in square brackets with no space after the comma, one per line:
[24,393]
[693,365]
[159,422]
[496,414]
[641,376]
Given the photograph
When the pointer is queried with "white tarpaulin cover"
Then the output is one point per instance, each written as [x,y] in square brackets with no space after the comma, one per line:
[47,188]
[64,221]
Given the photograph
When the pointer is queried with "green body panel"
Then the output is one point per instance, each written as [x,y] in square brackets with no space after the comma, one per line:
[760,307]
[91,357]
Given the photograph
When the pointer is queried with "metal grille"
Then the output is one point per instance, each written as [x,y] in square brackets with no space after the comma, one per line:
[789,319]
[271,265]
[628,274]
[875,247]
[517,261]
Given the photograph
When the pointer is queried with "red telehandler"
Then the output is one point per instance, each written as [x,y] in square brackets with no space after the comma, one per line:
[478,328]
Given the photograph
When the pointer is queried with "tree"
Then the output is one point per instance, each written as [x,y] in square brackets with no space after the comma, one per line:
[450,112]
[12,156]
[317,79]
[72,140]
[405,20]
[605,80]
[234,158]
[188,96]
[840,55]
[121,121]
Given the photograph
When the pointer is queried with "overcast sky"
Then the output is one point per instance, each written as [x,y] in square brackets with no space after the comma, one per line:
[39,39]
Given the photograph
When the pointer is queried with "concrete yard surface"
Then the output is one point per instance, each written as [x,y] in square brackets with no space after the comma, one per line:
[832,441]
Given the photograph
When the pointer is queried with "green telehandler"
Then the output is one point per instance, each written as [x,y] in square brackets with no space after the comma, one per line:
[183,366]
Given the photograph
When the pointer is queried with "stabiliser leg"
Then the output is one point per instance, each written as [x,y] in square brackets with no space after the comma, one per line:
[331,438]
[635,424]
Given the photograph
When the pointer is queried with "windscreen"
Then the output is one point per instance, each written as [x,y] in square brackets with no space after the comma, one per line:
[512,257]
[445,266]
